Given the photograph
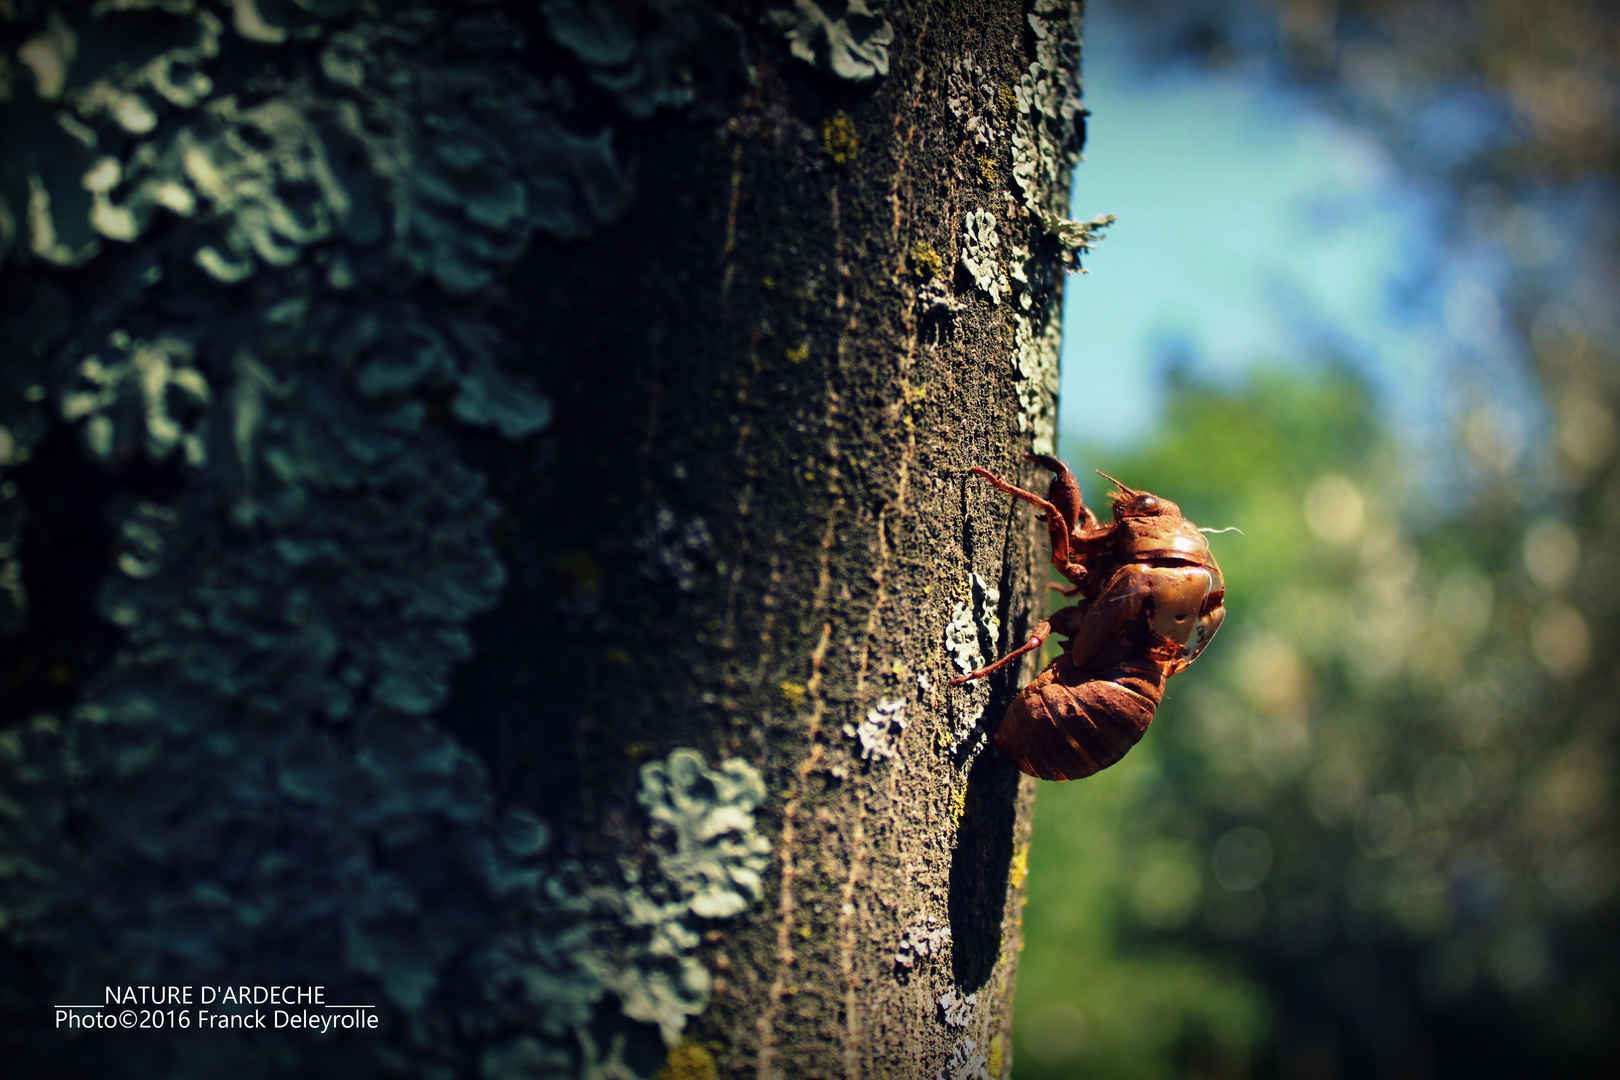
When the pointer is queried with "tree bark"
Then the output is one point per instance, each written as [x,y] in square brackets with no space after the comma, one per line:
[486,528]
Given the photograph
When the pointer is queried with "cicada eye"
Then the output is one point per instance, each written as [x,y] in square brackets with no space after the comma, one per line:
[1147,505]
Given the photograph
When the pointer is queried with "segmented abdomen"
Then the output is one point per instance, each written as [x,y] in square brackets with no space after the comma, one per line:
[1070,723]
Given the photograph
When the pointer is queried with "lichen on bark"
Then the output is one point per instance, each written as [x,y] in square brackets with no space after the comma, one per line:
[477,480]
[304,544]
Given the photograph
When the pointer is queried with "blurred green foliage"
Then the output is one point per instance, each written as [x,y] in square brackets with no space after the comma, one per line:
[1087,1003]
[1114,856]
[1373,824]
[1373,832]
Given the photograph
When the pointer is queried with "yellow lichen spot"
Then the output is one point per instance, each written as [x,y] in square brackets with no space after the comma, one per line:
[579,566]
[996,1056]
[925,261]
[959,804]
[1020,867]
[635,751]
[804,932]
[838,137]
[799,353]
[619,655]
[987,170]
[792,695]
[1006,105]
[768,282]
[689,1061]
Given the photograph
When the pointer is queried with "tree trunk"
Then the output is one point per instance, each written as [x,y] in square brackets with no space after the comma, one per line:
[486,530]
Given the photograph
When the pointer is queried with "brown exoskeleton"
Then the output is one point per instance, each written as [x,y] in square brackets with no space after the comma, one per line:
[1151,597]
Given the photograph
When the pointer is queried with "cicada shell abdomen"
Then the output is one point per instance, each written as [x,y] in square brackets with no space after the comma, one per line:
[1070,722]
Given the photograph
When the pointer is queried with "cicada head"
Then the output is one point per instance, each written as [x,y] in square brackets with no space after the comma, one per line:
[1130,503]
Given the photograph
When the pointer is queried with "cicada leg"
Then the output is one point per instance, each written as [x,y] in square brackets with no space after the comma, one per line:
[1057,525]
[1043,630]
[1065,622]
[1064,492]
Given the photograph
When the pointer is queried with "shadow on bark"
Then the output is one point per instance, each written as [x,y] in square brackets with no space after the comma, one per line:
[979,869]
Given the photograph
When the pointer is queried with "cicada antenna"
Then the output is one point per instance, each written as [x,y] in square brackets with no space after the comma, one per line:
[1123,489]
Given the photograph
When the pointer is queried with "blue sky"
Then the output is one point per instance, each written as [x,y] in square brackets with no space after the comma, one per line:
[1255,229]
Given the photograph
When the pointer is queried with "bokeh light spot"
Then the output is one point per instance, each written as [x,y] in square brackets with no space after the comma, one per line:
[1583,878]
[1462,604]
[1586,428]
[1167,891]
[1334,509]
[1336,789]
[1551,553]
[1561,640]
[1242,858]
[1273,675]
[1383,826]
[1056,1033]
[1521,961]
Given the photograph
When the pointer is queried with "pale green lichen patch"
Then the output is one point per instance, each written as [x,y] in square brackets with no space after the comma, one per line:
[1074,236]
[849,38]
[268,205]
[647,55]
[972,636]
[967,1062]
[470,176]
[140,397]
[956,1009]
[256,761]
[1035,358]
[709,866]
[879,734]
[974,627]
[718,857]
[48,55]
[923,937]
[1043,110]
[981,253]
[970,94]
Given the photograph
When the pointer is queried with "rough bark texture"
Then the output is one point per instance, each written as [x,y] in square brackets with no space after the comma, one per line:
[486,526]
